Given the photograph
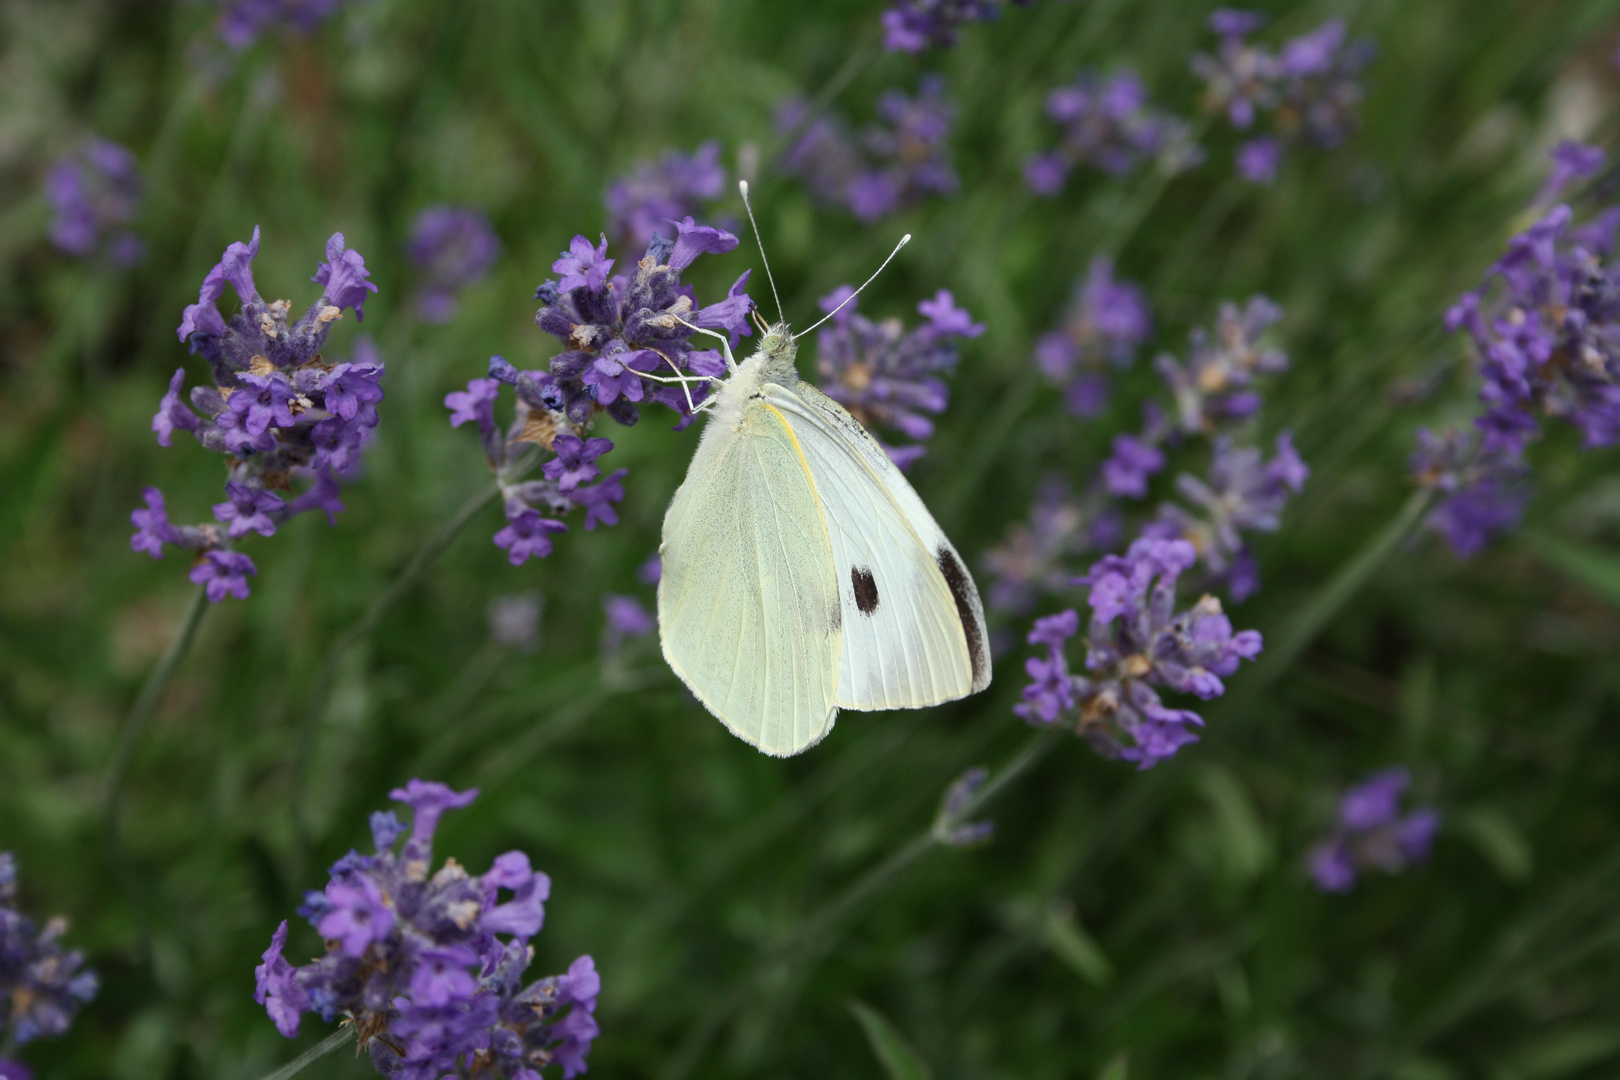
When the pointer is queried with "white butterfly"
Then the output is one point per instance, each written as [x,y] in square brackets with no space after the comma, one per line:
[801,572]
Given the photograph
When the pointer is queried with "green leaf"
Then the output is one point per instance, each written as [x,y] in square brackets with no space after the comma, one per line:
[1068,939]
[1118,1067]
[1566,1052]
[1499,840]
[899,1060]
[1594,568]
[1245,848]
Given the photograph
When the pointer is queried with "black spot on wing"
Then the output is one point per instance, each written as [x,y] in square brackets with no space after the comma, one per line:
[963,593]
[866,594]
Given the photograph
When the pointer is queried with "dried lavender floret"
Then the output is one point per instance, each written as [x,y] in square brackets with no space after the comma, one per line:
[276,408]
[428,966]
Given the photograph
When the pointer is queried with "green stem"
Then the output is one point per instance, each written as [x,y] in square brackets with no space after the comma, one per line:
[316,710]
[857,62]
[337,1040]
[815,928]
[140,713]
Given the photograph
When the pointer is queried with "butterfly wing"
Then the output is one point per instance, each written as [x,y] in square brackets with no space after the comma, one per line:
[748,607]
[913,625]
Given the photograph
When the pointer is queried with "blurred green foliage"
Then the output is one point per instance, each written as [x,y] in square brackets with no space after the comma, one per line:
[1122,923]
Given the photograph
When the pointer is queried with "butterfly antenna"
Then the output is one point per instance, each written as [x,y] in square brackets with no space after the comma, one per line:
[742,186]
[904,240]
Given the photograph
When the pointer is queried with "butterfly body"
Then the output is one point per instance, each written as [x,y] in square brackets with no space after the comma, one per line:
[801,572]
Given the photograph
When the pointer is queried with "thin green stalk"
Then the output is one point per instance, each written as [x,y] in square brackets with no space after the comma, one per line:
[316,710]
[858,61]
[816,929]
[337,1040]
[140,713]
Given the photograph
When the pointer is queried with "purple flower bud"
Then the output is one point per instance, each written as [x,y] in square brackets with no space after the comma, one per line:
[94,193]
[582,266]
[345,276]
[527,535]
[152,528]
[1126,472]
[693,240]
[1259,159]
[276,989]
[172,413]
[356,916]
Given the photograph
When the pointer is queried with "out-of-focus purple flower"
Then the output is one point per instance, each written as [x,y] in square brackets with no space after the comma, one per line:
[453,247]
[1107,123]
[514,621]
[914,26]
[1216,385]
[884,374]
[277,409]
[42,985]
[428,966]
[1031,562]
[94,192]
[1105,324]
[626,618]
[949,828]
[1371,833]
[1572,162]
[1136,641]
[1310,88]
[1259,159]
[1127,470]
[645,203]
[891,165]
[1482,491]
[242,21]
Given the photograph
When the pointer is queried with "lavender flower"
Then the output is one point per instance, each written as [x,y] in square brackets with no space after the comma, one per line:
[892,165]
[626,619]
[1482,491]
[428,967]
[242,21]
[1372,834]
[1032,561]
[276,409]
[94,192]
[1136,641]
[1105,324]
[1108,124]
[916,25]
[949,828]
[1216,385]
[627,342]
[885,375]
[1310,88]
[514,621]
[41,984]
[658,193]
[453,247]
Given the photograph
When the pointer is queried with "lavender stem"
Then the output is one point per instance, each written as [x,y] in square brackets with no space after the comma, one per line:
[338,1039]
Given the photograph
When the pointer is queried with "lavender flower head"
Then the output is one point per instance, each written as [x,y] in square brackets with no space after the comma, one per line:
[1136,641]
[1106,322]
[514,621]
[659,193]
[884,374]
[242,21]
[627,618]
[94,192]
[1482,492]
[949,827]
[1032,561]
[428,966]
[276,408]
[626,342]
[1107,123]
[914,26]
[42,984]
[1310,88]
[453,247]
[1372,834]
[893,165]
[1545,324]
[1217,383]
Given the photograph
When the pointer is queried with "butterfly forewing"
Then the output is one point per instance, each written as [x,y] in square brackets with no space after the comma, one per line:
[748,603]
[913,625]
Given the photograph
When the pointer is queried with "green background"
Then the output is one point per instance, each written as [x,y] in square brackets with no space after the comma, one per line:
[736,905]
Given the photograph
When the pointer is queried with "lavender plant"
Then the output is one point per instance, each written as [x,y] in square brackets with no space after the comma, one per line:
[890,166]
[1545,325]
[626,618]
[242,21]
[914,26]
[1309,89]
[276,409]
[453,247]
[42,984]
[622,335]
[1371,833]
[427,967]
[1136,641]
[1104,325]
[94,191]
[659,193]
[1108,124]
[886,375]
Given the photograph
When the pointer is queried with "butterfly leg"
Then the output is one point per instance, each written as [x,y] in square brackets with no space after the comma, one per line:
[725,342]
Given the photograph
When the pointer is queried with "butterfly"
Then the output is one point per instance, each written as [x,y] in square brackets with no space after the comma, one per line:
[801,573]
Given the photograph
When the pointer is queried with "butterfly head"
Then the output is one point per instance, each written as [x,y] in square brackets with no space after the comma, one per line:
[779,345]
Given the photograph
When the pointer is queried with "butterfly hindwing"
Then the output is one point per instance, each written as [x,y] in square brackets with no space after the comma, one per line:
[913,625]
[748,604]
